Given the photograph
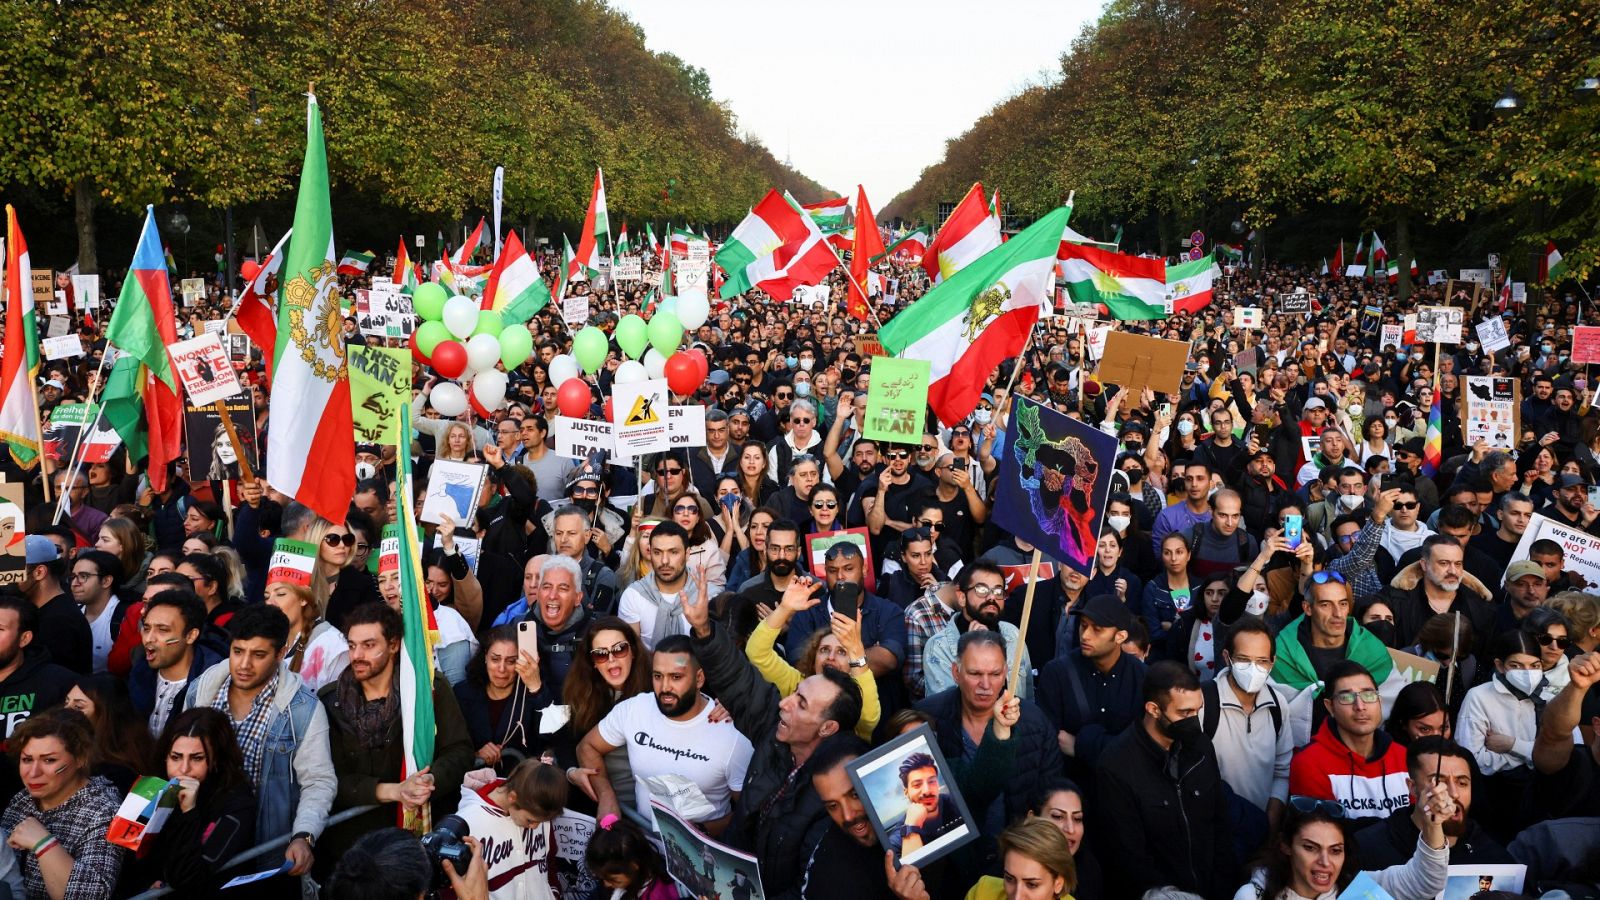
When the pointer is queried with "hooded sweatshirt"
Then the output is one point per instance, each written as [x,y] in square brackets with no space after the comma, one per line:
[1372,787]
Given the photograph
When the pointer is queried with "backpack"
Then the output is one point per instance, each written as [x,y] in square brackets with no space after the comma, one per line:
[1211,715]
[1197,531]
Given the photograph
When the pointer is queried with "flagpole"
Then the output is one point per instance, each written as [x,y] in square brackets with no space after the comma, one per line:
[245,471]
[80,452]
[33,394]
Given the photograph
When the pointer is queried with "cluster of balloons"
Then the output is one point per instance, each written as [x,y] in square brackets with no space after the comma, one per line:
[457,338]
[651,347]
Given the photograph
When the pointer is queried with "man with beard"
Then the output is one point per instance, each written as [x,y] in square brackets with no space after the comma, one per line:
[670,732]
[1569,504]
[848,862]
[781,554]
[883,503]
[1192,510]
[365,737]
[979,604]
[586,491]
[652,605]
[1438,590]
[847,477]
[930,813]
[1261,491]
[1433,761]
[1093,694]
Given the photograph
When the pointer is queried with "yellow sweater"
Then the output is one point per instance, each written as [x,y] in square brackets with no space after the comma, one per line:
[991,887]
[777,671]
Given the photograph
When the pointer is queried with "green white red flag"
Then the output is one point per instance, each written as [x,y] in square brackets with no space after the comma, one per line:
[596,233]
[828,214]
[1132,288]
[515,289]
[776,248]
[1551,268]
[19,404]
[418,727]
[355,262]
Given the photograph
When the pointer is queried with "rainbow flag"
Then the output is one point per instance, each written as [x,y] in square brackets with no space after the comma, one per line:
[417,726]
[1433,445]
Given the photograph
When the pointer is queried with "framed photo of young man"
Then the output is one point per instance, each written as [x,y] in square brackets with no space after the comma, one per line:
[912,800]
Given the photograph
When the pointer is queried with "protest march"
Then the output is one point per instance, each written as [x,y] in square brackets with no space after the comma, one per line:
[1006,540]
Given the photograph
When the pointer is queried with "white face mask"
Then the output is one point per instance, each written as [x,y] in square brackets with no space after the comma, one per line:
[982,416]
[1248,676]
[1350,501]
[1524,680]
[1257,604]
[1355,409]
[1392,423]
[1185,427]
[1118,523]
[806,363]
[1472,348]
[365,470]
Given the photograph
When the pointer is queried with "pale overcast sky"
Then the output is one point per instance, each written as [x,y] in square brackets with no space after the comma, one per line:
[789,71]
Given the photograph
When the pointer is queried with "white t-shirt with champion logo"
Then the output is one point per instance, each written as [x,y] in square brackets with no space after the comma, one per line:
[714,755]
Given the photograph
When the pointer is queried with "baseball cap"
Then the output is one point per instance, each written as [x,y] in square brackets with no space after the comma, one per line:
[1523,568]
[1106,610]
[580,475]
[1412,446]
[1315,403]
[41,550]
[55,383]
[1569,480]
[719,377]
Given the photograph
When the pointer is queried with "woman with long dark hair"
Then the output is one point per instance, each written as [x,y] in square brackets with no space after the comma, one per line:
[500,699]
[1312,856]
[1418,712]
[57,824]
[1059,801]
[122,748]
[614,667]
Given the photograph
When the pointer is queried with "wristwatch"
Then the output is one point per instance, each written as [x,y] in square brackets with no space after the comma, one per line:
[858,663]
[305,836]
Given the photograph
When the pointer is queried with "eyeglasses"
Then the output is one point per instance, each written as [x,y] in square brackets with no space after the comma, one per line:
[585,491]
[824,504]
[619,650]
[687,508]
[930,525]
[1348,698]
[1303,804]
[1412,505]
[663,471]
[334,540]
[1544,640]
[85,576]
[1325,576]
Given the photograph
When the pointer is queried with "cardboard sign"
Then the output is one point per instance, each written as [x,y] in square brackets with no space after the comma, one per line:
[1490,408]
[1297,302]
[868,345]
[1413,667]
[1247,317]
[1440,324]
[577,438]
[203,368]
[380,380]
[1136,362]
[1492,334]
[575,310]
[13,548]
[629,268]
[453,489]
[641,417]
[1392,336]
[1586,344]
[64,347]
[897,400]
[44,287]
[1580,550]
[211,454]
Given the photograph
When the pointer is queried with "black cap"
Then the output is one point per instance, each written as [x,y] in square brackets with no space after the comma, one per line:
[1105,610]
[1412,446]
[1569,480]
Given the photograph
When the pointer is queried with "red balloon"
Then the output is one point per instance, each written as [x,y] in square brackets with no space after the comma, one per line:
[606,407]
[683,373]
[450,359]
[416,352]
[477,407]
[249,269]
[699,356]
[573,398]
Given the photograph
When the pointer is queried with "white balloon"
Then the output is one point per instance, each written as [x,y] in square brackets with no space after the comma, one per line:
[654,363]
[483,351]
[693,310]
[489,388]
[562,367]
[460,316]
[630,371]
[449,399]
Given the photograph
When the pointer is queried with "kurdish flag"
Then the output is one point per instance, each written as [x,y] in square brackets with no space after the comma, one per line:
[515,289]
[979,316]
[19,405]
[969,233]
[776,248]
[1551,268]
[1133,288]
[828,214]
[1190,284]
[310,400]
[354,262]
[143,379]
[418,728]
[596,232]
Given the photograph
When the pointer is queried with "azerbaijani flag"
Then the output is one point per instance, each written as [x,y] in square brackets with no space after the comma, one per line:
[596,232]
[1190,284]
[354,262]
[1133,288]
[979,316]
[257,309]
[19,405]
[418,730]
[1433,445]
[312,454]
[143,380]
[515,289]
[970,232]
[828,214]
[1551,268]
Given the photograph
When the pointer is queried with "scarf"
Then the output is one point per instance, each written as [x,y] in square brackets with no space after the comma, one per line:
[252,732]
[668,612]
[370,718]
[1398,542]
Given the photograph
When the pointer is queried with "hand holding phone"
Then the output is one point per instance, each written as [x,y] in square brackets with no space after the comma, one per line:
[528,639]
[1292,527]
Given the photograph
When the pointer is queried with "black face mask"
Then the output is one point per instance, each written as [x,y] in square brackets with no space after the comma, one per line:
[1180,731]
[1383,631]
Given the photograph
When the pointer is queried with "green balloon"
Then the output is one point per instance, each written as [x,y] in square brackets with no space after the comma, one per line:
[429,334]
[589,347]
[427,300]
[666,332]
[632,336]
[489,322]
[516,345]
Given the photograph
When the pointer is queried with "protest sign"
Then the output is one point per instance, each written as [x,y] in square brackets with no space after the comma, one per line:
[238,348]
[1467,880]
[203,368]
[192,289]
[575,310]
[629,268]
[1136,362]
[1355,271]
[705,868]
[573,830]
[218,327]
[13,549]
[1052,486]
[699,252]
[453,489]
[1438,276]
[1586,344]
[211,452]
[44,287]
[58,304]
[578,438]
[1480,276]
[87,289]
[868,345]
[1519,292]
[1412,667]
[1439,324]
[1392,336]
[1097,340]
[1492,334]
[817,549]
[686,426]
[1490,409]
[64,347]
[693,278]
[57,326]
[1247,317]
[1297,302]
[380,380]
[807,294]
[897,400]
[65,429]
[1580,550]
[887,795]
[641,412]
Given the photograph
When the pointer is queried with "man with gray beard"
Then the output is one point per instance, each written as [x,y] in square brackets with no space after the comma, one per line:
[1438,590]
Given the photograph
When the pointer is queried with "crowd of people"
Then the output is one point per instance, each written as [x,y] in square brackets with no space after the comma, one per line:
[1292,626]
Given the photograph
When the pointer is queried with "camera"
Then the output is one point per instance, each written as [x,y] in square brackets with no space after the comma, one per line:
[445,842]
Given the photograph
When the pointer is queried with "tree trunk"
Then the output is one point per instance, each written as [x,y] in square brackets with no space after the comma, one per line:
[85,200]
[1402,247]
[1258,260]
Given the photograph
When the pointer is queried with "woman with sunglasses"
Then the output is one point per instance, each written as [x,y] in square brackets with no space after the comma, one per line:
[825,507]
[1311,857]
[346,586]
[704,556]
[500,699]
[615,667]
[671,484]
[1550,629]
[753,481]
